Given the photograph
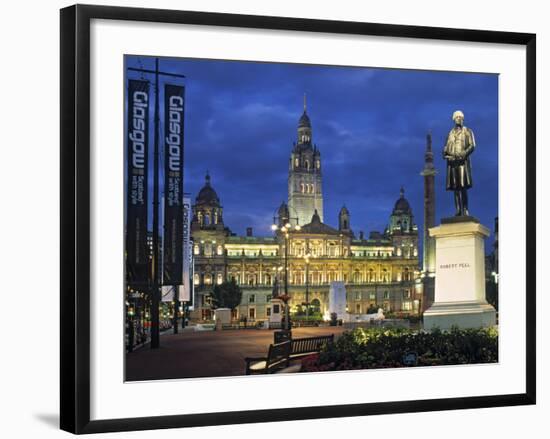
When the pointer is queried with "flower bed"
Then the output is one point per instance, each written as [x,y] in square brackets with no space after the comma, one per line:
[387,348]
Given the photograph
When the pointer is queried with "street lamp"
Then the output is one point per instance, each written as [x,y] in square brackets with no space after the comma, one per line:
[307,257]
[284,226]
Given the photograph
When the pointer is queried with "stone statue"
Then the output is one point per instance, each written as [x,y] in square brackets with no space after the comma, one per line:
[460,144]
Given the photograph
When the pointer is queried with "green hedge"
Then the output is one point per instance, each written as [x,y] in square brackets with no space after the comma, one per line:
[383,348]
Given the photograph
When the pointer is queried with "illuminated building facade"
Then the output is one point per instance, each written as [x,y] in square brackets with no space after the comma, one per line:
[380,270]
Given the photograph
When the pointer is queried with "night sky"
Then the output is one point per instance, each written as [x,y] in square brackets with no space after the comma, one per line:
[369,124]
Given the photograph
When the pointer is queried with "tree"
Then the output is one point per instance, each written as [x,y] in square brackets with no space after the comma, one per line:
[227,295]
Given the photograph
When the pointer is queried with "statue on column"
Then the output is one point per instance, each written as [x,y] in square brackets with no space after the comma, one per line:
[458,148]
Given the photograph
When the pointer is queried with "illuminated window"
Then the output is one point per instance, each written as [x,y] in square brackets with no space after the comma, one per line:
[208,279]
[196,278]
[220,250]
[407,306]
[318,164]
[296,162]
[219,278]
[196,249]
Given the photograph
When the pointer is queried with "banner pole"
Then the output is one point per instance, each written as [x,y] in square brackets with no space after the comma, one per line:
[155,300]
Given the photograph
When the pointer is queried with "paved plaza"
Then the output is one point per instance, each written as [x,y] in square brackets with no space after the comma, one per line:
[195,354]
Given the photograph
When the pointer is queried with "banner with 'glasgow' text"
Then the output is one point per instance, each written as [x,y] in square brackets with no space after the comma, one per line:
[137,249]
[173,184]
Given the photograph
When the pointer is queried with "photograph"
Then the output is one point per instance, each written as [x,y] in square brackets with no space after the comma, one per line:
[303,218]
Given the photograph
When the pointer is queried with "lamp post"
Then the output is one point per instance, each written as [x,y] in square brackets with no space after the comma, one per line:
[307,257]
[285,229]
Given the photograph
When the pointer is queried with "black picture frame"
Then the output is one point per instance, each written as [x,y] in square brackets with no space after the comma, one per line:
[75,217]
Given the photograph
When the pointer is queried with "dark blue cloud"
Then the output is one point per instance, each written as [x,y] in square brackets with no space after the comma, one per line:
[369,124]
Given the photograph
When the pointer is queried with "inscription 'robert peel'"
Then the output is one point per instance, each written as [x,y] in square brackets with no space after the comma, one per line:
[454,266]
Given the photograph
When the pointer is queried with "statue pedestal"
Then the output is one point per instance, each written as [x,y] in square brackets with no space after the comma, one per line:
[459,276]
[222,316]
[277,309]
[337,301]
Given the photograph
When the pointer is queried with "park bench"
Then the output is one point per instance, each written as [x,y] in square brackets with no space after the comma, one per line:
[277,359]
[302,347]
[280,354]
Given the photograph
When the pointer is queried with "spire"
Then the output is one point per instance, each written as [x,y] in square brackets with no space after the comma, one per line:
[402,192]
[305,104]
[207,178]
[429,141]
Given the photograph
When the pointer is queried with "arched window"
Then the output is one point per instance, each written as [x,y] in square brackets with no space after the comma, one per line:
[206,220]
[215,217]
[196,279]
[219,278]
[307,164]
[208,279]
[318,164]
[219,250]
[302,187]
[296,162]
[196,249]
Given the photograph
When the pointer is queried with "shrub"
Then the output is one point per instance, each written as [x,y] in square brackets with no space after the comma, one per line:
[383,348]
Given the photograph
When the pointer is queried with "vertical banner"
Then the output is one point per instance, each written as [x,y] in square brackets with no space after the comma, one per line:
[185,295]
[137,249]
[173,184]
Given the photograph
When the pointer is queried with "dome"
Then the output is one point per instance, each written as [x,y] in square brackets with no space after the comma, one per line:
[402,205]
[207,195]
[304,121]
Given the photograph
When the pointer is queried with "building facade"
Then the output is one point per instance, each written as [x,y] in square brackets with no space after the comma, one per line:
[380,270]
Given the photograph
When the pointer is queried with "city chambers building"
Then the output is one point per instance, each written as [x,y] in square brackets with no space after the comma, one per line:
[378,270]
